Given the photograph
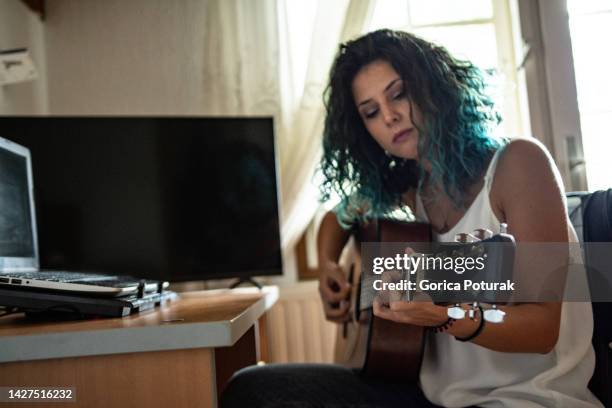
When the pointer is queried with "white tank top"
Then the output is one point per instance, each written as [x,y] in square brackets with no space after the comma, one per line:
[460,374]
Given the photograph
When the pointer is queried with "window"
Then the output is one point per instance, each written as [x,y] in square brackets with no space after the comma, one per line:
[590,28]
[477,30]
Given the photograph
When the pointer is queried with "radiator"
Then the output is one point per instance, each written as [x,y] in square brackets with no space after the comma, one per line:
[297,331]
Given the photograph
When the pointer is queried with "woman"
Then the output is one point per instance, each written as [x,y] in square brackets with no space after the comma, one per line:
[409,125]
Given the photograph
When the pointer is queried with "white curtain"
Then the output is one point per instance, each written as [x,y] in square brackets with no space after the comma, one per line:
[241,53]
[272,57]
[302,103]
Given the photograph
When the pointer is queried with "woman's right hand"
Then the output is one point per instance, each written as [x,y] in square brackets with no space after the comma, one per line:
[335,292]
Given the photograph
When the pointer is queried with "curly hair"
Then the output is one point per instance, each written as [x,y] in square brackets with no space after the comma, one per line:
[458,116]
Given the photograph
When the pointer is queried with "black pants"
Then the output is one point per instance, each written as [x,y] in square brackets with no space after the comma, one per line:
[316,385]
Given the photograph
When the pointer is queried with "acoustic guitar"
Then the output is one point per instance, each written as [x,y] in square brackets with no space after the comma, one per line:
[382,348]
[375,346]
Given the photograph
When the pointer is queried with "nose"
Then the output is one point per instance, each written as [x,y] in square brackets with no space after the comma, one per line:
[390,115]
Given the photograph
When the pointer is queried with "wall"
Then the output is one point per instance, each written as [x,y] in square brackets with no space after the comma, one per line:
[20,28]
[125,57]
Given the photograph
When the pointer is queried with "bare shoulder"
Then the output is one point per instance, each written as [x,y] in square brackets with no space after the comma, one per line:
[525,161]
[525,156]
[528,191]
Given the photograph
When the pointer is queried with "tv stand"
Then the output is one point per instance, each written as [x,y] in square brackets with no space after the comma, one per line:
[180,355]
[245,280]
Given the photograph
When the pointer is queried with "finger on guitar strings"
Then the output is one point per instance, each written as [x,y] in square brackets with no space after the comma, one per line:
[384,311]
[418,313]
[339,313]
[334,289]
[402,306]
[388,295]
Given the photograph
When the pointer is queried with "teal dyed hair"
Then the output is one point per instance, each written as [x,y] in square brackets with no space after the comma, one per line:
[455,134]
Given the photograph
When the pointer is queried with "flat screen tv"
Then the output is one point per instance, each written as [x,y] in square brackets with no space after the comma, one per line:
[173,198]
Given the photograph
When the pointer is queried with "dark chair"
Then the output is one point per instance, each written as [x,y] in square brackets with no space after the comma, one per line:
[591,216]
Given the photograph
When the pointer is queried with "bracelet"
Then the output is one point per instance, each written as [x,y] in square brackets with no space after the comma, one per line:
[444,326]
[478,330]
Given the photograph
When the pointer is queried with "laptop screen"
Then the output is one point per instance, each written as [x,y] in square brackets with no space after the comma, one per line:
[18,249]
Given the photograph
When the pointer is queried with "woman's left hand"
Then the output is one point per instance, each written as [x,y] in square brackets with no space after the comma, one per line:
[420,313]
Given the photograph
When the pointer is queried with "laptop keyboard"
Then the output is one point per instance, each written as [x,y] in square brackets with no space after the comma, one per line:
[77,277]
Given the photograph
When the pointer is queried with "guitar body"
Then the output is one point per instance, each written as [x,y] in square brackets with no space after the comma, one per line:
[378,347]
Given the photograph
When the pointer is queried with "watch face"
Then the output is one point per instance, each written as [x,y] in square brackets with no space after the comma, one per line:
[456,313]
[494,315]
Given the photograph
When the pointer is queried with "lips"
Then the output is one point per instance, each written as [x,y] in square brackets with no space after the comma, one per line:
[401,135]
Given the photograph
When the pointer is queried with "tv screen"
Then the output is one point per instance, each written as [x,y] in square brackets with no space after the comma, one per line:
[174,198]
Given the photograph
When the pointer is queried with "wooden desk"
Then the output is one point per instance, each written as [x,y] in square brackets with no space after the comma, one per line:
[180,355]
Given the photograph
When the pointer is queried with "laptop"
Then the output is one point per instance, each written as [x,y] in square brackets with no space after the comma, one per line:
[19,262]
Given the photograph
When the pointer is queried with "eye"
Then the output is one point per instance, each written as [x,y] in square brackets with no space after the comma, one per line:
[399,95]
[370,114]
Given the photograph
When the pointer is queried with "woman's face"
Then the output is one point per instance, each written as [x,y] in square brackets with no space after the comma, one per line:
[382,102]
